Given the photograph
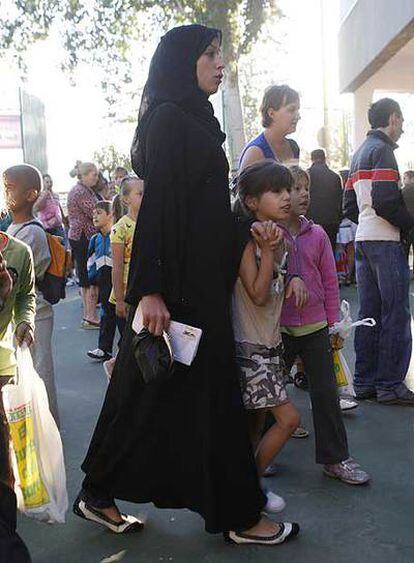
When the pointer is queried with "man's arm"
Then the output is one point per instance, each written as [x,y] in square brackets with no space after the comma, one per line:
[387,200]
[350,204]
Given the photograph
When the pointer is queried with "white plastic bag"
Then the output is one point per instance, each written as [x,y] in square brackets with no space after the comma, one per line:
[345,326]
[37,451]
[344,377]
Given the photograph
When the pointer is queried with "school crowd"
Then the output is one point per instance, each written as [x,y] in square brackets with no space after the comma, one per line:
[258,278]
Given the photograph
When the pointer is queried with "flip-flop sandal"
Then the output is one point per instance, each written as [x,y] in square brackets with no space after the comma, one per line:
[271,470]
[129,525]
[288,530]
[95,323]
[300,432]
[88,325]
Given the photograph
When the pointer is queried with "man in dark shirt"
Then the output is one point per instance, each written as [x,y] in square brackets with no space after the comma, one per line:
[408,190]
[325,196]
[408,196]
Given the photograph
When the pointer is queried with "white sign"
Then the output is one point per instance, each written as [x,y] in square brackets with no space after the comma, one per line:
[10,132]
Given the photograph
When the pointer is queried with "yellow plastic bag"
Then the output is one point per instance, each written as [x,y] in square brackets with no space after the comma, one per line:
[22,434]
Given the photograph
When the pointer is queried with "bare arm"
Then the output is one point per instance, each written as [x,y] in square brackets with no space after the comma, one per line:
[257,280]
[252,154]
[118,250]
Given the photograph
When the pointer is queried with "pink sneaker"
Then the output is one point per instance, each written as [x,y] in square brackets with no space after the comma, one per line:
[347,471]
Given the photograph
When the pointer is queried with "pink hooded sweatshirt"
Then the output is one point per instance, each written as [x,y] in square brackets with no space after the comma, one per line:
[311,257]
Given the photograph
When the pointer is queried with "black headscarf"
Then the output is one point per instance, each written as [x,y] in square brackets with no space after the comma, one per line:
[173,78]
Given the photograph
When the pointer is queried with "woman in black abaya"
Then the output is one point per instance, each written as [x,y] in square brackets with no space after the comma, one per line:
[181,443]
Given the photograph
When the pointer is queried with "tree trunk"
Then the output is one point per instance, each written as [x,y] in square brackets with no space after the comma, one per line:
[233,115]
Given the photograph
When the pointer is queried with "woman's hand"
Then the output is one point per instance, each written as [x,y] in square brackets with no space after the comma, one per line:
[267,235]
[155,315]
[297,288]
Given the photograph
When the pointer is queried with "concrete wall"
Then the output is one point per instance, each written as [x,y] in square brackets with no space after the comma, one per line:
[371,33]
[396,75]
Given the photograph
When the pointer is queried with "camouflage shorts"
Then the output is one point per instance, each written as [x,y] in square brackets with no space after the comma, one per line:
[262,375]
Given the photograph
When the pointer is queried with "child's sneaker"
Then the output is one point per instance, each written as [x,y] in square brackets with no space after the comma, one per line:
[347,471]
[347,404]
[99,354]
[300,379]
[275,503]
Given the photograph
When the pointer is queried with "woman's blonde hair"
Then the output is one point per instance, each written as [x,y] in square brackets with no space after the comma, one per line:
[82,169]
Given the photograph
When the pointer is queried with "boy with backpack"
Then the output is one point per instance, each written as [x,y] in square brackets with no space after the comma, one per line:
[23,184]
[100,274]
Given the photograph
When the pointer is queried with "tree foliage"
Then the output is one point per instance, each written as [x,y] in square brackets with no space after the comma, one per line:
[108,158]
[102,31]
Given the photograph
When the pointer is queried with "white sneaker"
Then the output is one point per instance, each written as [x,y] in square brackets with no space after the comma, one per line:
[98,354]
[347,404]
[275,503]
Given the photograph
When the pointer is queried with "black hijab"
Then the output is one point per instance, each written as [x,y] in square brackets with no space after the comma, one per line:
[172,78]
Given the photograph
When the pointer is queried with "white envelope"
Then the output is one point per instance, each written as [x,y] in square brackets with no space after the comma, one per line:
[184,339]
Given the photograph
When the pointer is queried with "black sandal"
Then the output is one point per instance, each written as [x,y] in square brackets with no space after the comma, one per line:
[129,525]
[288,530]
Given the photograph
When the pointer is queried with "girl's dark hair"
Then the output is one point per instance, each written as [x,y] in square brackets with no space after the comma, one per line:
[119,209]
[105,205]
[276,97]
[259,178]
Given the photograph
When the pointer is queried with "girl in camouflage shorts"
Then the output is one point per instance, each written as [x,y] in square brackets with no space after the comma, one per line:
[263,191]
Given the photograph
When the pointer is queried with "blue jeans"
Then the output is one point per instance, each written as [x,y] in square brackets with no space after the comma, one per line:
[383,352]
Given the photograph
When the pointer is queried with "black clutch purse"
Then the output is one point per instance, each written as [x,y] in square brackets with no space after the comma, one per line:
[153,355]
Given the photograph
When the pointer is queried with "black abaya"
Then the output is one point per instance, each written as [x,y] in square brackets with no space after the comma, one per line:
[183,443]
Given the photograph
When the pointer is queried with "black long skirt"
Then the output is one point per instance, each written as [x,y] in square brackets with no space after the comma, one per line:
[182,443]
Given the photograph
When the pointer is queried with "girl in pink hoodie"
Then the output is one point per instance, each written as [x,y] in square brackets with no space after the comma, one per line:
[305,331]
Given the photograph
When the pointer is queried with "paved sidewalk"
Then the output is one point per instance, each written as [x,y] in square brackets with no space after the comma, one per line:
[340,523]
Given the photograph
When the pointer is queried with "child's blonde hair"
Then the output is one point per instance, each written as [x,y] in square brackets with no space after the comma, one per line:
[299,172]
[126,185]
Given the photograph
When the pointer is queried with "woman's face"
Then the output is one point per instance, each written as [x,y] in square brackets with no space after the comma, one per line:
[90,179]
[210,68]
[286,117]
[47,183]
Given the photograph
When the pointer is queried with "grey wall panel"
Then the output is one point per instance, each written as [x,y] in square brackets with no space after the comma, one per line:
[372,32]
[34,131]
